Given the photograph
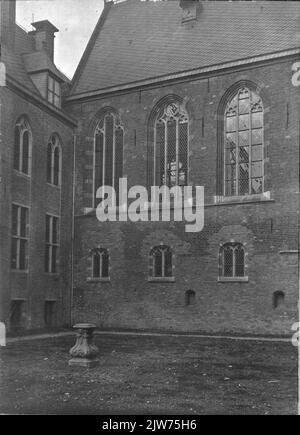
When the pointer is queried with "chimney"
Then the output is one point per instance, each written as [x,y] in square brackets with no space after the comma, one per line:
[8,23]
[190,10]
[44,35]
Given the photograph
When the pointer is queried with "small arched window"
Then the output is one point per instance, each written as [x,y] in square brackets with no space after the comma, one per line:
[54,161]
[168,150]
[232,260]
[100,263]
[161,257]
[190,297]
[243,144]
[278,299]
[23,147]
[108,153]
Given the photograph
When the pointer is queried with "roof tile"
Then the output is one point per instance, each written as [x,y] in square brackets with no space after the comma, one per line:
[144,39]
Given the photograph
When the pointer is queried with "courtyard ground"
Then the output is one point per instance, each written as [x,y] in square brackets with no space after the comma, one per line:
[150,375]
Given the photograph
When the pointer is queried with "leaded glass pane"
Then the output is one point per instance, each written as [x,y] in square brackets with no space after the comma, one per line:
[250,141]
[230,123]
[171,153]
[25,160]
[168,263]
[172,142]
[23,254]
[157,257]
[109,137]
[23,221]
[118,157]
[256,185]
[228,261]
[183,154]
[257,153]
[105,264]
[244,155]
[56,167]
[257,119]
[54,230]
[244,138]
[244,184]
[244,106]
[243,93]
[96,264]
[98,160]
[160,153]
[48,222]
[51,84]
[230,187]
[239,261]
[230,172]
[14,229]
[17,149]
[53,259]
[257,136]
[49,162]
[256,169]
[230,140]
[244,122]
[47,258]
[230,156]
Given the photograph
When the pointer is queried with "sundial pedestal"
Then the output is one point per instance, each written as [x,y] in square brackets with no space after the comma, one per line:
[84,352]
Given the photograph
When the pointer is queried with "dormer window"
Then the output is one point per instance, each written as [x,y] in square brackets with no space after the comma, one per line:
[54,93]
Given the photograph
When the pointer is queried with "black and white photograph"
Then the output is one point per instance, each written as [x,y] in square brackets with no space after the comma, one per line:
[149,210]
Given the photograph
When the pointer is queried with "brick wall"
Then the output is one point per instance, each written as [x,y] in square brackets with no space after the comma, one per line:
[268,229]
[34,285]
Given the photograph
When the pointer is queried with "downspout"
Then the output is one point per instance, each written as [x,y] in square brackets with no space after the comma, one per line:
[73,230]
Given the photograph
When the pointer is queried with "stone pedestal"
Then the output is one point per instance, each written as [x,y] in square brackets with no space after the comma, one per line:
[84,352]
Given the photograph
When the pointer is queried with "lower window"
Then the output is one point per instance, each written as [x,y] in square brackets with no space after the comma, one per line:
[232,261]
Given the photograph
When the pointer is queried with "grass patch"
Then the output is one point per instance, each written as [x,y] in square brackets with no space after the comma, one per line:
[150,375]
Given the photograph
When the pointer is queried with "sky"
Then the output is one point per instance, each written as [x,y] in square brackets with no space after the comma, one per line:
[75,19]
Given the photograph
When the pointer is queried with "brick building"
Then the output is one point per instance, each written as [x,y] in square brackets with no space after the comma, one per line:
[170,93]
[36,142]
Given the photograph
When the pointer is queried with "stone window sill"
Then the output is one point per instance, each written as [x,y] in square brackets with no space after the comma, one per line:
[233,279]
[52,274]
[20,271]
[243,199]
[95,280]
[159,279]
[56,186]
[22,174]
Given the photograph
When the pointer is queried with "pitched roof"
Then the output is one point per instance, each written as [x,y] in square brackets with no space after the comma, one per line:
[40,61]
[139,40]
[15,68]
[24,59]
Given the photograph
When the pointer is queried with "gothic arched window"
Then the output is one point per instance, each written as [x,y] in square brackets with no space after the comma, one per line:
[232,260]
[23,146]
[54,161]
[243,144]
[100,265]
[161,257]
[108,153]
[168,161]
